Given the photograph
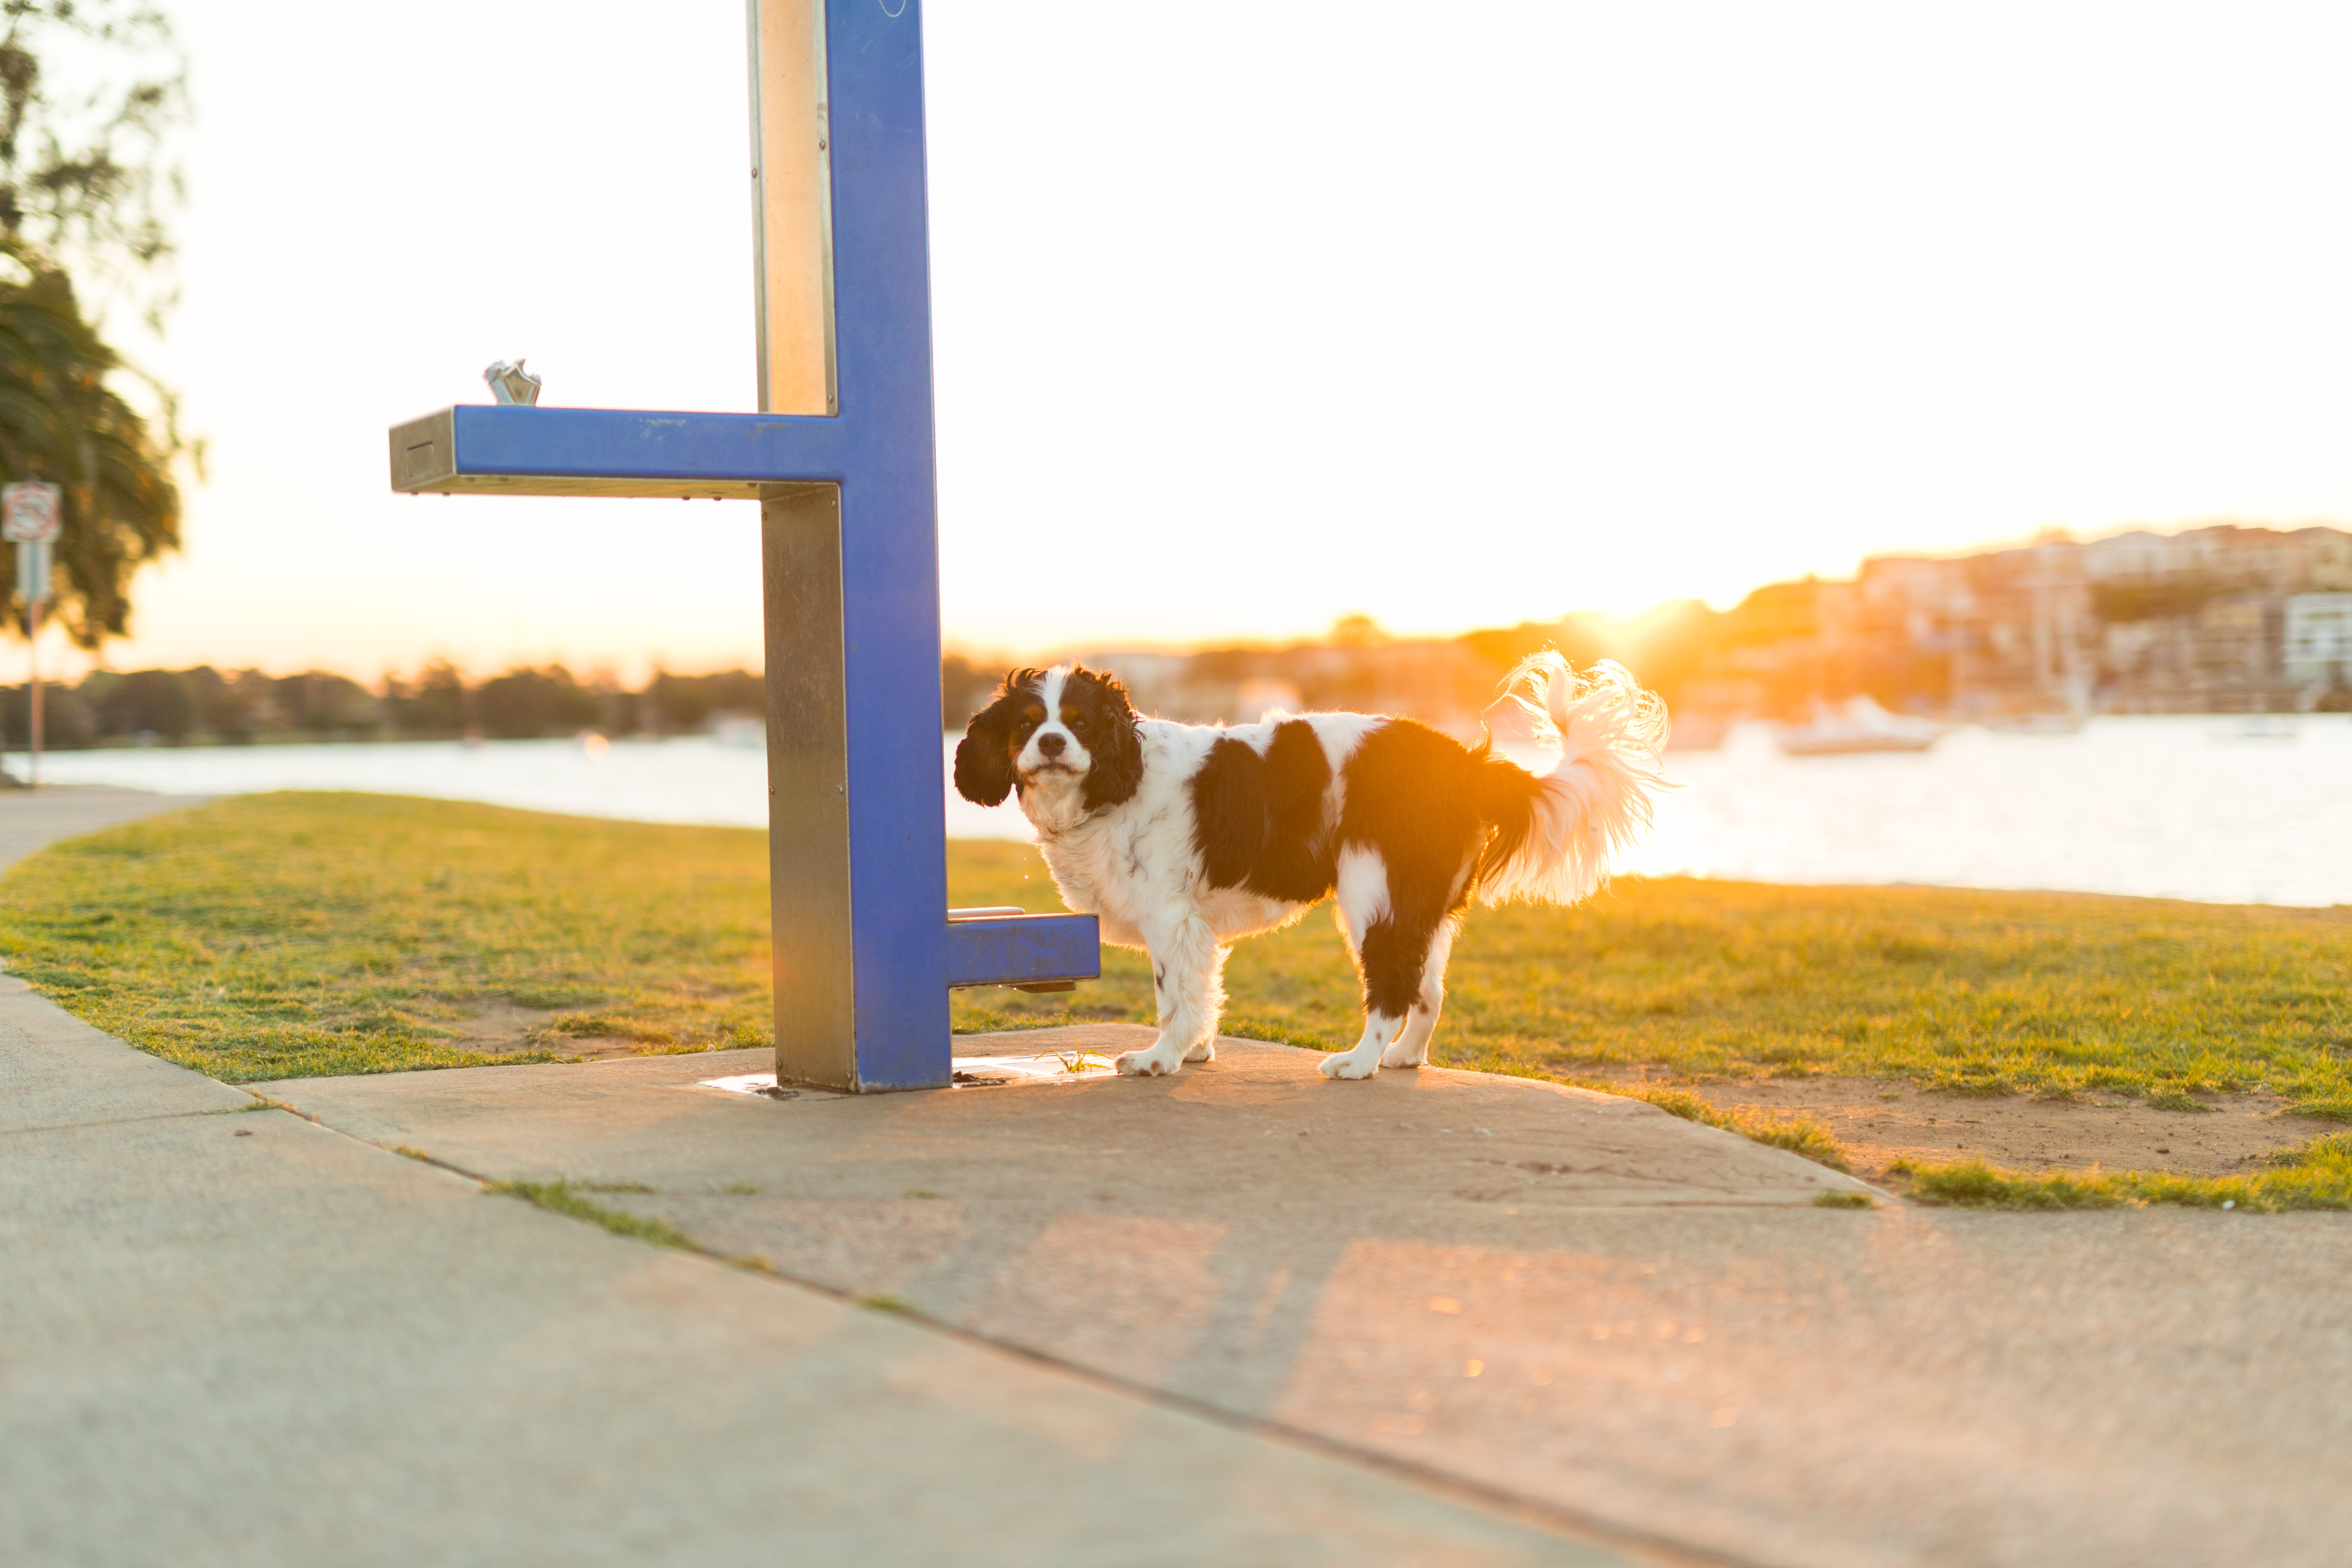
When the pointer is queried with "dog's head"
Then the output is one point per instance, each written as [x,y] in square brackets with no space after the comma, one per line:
[1056,730]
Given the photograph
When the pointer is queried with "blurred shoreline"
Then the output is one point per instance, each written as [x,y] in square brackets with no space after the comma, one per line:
[2213,809]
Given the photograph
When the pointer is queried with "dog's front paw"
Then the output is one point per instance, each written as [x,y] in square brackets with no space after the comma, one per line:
[1153,1063]
[1348,1064]
[1206,1051]
[1404,1055]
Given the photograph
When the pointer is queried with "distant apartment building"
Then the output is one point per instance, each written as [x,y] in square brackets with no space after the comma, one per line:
[2220,619]
[2318,642]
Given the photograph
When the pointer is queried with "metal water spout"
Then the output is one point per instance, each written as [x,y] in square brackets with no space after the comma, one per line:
[512,383]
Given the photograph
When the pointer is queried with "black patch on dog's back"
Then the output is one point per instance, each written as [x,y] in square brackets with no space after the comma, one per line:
[1297,864]
[1229,815]
[1257,820]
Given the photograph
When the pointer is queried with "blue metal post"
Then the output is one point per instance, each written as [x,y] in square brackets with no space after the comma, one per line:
[864,955]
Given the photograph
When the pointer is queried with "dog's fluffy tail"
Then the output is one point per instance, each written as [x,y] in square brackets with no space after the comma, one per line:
[1555,834]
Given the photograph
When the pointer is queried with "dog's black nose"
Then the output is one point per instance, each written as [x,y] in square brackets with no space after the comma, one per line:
[1050,745]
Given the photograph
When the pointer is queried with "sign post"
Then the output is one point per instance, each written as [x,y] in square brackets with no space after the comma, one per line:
[840,458]
[30,512]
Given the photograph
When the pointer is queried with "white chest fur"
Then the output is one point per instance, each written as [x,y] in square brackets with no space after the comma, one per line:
[1135,866]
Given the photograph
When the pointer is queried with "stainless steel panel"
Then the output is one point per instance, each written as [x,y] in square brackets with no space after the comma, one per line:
[808,789]
[792,208]
[424,454]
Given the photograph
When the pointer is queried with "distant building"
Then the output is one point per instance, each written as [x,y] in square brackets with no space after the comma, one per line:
[2318,641]
[2140,622]
[2140,554]
[2218,619]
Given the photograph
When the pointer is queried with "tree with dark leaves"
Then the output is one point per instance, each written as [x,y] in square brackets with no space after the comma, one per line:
[83,185]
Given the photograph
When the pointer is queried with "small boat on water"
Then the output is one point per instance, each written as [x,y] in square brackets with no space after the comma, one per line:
[2047,722]
[1858,724]
[2259,727]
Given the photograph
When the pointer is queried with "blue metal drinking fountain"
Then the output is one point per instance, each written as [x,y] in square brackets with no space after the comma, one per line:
[841,461]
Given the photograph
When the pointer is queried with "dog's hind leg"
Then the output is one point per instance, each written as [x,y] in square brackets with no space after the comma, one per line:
[1187,964]
[1392,948]
[1411,1048]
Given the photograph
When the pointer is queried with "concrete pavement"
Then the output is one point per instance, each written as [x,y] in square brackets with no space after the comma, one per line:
[238,1336]
[32,817]
[1239,1315]
[1573,1299]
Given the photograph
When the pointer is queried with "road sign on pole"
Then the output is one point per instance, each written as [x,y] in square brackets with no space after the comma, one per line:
[33,571]
[30,514]
[31,511]
[840,458]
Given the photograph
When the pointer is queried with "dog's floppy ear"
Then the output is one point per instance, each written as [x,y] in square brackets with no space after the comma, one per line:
[983,765]
[1117,771]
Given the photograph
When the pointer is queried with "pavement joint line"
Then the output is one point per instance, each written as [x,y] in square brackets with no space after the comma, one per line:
[134,1120]
[405,1152]
[1661,1549]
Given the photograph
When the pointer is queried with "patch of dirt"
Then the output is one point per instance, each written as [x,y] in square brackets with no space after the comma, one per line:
[500,1026]
[1880,1121]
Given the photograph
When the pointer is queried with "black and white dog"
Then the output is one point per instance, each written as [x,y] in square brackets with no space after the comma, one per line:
[1182,838]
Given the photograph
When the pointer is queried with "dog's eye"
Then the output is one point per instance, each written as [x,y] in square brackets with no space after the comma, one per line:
[1078,723]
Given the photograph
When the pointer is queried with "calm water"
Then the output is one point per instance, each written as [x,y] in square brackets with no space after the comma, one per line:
[2212,808]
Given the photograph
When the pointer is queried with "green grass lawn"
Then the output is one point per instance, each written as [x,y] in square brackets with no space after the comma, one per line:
[2049,994]
[294,935]
[290,935]
[297,935]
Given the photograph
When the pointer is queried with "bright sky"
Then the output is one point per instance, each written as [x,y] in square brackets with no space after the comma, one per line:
[1251,316]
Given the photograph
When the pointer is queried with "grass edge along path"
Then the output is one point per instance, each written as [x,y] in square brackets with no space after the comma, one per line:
[306,934]
[2313,1175]
[1797,1134]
